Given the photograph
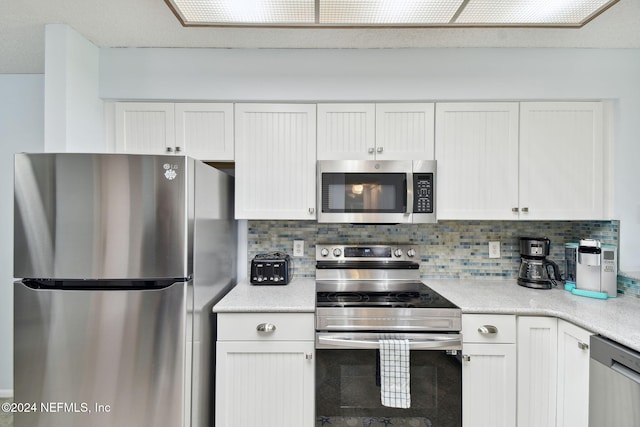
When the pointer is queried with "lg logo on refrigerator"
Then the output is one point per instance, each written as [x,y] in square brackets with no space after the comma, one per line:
[170,171]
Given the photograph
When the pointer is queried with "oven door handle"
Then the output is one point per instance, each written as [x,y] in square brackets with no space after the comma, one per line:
[436,342]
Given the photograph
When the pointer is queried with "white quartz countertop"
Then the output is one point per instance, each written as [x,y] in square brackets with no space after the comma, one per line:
[616,318]
[297,296]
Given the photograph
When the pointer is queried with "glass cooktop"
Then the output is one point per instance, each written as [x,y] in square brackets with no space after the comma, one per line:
[362,294]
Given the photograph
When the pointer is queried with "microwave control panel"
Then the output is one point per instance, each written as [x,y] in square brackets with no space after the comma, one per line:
[423,193]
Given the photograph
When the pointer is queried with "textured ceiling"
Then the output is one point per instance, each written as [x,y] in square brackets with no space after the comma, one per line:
[150,23]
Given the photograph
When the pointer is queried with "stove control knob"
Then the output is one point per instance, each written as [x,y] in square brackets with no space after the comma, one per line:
[324,252]
[398,253]
[411,253]
[337,252]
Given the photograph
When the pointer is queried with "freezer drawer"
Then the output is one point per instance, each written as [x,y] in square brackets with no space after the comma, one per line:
[102,358]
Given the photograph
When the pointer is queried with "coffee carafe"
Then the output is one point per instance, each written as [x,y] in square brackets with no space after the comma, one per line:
[536,271]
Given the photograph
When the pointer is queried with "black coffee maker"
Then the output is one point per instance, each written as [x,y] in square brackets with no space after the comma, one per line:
[536,271]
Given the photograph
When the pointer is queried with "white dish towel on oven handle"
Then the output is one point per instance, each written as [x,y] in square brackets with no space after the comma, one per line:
[395,390]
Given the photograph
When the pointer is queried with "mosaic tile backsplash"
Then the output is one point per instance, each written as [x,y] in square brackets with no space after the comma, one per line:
[449,249]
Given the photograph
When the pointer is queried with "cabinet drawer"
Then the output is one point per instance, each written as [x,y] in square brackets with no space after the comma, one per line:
[504,326]
[286,326]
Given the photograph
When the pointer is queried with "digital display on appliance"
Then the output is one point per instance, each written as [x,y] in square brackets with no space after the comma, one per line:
[367,252]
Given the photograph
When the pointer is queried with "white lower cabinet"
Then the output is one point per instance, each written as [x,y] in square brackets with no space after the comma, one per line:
[553,373]
[537,371]
[488,370]
[573,375]
[265,370]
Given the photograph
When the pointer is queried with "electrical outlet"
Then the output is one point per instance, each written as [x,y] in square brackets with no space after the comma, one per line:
[494,249]
[298,248]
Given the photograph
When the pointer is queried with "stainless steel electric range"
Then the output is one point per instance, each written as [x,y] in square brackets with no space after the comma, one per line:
[368,293]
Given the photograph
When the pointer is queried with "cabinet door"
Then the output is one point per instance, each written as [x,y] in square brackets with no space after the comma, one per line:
[267,384]
[489,385]
[537,371]
[346,131]
[561,160]
[275,161]
[205,130]
[404,131]
[477,154]
[144,127]
[573,375]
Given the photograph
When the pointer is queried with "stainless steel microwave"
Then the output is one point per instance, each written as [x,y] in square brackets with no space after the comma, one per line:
[377,191]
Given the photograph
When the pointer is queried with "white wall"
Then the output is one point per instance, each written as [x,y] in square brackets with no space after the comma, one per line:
[74,117]
[401,74]
[21,129]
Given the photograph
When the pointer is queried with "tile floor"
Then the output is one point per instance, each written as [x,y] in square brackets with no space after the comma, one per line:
[6,418]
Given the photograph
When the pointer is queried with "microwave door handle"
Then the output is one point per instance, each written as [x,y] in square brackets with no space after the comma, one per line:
[440,343]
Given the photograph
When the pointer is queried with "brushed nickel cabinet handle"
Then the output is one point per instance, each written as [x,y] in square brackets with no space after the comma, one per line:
[514,209]
[178,149]
[266,327]
[466,358]
[380,149]
[583,346]
[525,210]
[488,330]
[169,150]
[371,150]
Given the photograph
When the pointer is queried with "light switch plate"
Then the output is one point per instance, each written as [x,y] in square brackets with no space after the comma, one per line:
[298,248]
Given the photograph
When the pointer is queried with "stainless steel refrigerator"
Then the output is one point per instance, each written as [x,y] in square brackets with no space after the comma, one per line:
[122,258]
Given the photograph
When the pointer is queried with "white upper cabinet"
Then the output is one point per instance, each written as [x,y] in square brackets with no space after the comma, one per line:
[144,127]
[477,154]
[393,131]
[200,130]
[346,131]
[529,160]
[561,160]
[404,131]
[205,130]
[275,161]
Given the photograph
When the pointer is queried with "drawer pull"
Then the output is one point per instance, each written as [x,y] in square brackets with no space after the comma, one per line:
[266,327]
[488,330]
[583,346]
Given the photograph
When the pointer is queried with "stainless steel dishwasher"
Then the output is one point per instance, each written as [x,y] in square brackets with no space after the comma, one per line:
[614,384]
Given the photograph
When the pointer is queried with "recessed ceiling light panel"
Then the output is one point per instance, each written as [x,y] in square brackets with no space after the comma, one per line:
[387,12]
[377,13]
[246,11]
[529,12]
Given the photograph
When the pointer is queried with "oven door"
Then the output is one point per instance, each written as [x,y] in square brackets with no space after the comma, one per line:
[348,381]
